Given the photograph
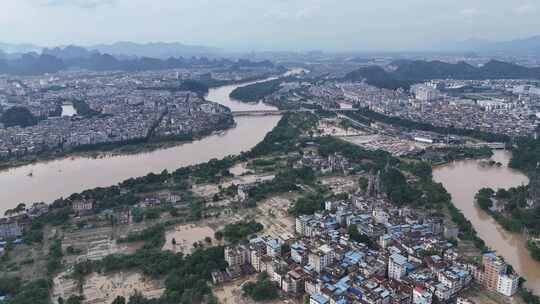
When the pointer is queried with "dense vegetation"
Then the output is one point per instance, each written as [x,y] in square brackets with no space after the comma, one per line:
[262,290]
[526,155]
[18,116]
[363,159]
[194,86]
[457,153]
[257,91]
[284,137]
[152,236]
[365,114]
[356,236]
[308,204]
[397,188]
[33,292]
[515,215]
[534,249]
[82,108]
[239,231]
[186,277]
[285,181]
[54,259]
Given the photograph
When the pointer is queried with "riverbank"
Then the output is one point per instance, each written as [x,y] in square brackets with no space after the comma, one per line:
[514,210]
[62,177]
[463,179]
[123,148]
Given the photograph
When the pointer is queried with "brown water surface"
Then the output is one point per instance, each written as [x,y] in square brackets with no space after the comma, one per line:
[463,179]
[47,181]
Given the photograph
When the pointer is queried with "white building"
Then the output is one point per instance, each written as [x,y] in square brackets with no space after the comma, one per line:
[236,256]
[321,258]
[423,92]
[508,284]
[397,266]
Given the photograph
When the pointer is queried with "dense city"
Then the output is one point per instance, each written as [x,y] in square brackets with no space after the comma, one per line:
[163,173]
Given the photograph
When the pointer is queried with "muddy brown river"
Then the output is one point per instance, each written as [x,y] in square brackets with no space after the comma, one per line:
[463,179]
[47,181]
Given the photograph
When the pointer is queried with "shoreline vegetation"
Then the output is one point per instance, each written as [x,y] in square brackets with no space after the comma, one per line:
[187,275]
[130,147]
[124,148]
[256,91]
[518,209]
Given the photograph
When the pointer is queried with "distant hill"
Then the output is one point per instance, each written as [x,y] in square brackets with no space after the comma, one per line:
[54,60]
[155,50]
[406,72]
[10,48]
[530,45]
[31,64]
[161,50]
[69,52]
[377,76]
[494,69]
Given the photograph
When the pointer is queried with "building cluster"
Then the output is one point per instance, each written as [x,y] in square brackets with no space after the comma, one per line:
[336,163]
[499,106]
[400,257]
[124,117]
[425,92]
[112,107]
[13,226]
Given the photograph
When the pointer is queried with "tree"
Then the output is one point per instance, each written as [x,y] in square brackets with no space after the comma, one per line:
[119,300]
[356,236]
[261,290]
[18,116]
[74,299]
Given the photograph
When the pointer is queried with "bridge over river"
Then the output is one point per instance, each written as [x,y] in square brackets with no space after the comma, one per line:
[279,112]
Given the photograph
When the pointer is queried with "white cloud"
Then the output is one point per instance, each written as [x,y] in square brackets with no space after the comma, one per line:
[470,12]
[524,9]
[77,3]
[293,10]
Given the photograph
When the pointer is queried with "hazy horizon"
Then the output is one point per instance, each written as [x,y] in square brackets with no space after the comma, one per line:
[268,25]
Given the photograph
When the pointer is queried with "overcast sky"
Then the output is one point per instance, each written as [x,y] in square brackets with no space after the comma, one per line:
[269,24]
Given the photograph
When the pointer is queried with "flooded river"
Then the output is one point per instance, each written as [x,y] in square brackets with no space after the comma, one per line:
[463,179]
[47,181]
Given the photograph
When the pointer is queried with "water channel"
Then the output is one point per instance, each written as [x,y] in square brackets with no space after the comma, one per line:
[463,179]
[47,181]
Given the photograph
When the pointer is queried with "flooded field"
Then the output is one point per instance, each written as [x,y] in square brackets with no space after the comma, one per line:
[99,288]
[185,235]
[330,128]
[272,213]
[239,169]
[104,289]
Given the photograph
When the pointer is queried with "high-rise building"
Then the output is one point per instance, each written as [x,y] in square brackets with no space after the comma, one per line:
[493,266]
[397,266]
[508,284]
[494,276]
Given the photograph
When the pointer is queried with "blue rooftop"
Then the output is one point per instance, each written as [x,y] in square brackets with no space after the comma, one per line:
[319,298]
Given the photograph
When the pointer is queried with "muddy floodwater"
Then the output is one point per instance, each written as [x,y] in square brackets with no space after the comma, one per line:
[185,235]
[463,179]
[47,181]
